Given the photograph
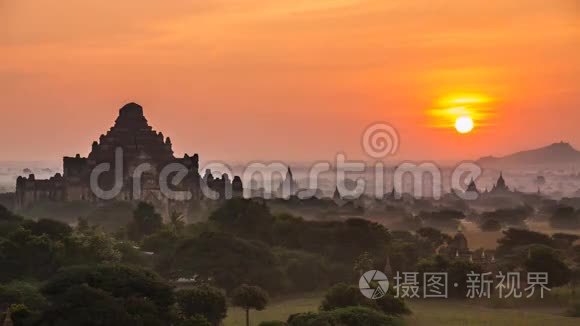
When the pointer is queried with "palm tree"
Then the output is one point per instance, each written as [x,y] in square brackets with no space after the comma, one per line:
[176,222]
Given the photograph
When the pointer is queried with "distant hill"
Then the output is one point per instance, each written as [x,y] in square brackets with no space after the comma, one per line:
[555,154]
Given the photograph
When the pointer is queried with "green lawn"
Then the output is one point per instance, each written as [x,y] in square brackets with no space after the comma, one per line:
[457,313]
[425,313]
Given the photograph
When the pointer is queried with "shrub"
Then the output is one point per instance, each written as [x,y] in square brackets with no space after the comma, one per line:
[351,316]
[19,292]
[202,300]
[574,309]
[273,323]
[565,218]
[196,320]
[19,312]
[490,225]
[344,295]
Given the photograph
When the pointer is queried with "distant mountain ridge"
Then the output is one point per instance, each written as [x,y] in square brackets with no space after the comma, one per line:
[557,153]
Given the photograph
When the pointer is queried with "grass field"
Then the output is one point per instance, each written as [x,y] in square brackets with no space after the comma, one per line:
[425,313]
[456,313]
[277,310]
[434,313]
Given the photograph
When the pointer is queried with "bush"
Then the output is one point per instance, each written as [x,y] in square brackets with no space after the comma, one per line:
[351,316]
[565,218]
[345,295]
[53,229]
[202,300]
[446,218]
[510,216]
[196,320]
[273,323]
[8,221]
[456,270]
[490,225]
[146,221]
[160,241]
[574,309]
[19,292]
[225,259]
[107,295]
[305,272]
[546,260]
[20,314]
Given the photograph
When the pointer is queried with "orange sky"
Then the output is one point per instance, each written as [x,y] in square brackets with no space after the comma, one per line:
[292,80]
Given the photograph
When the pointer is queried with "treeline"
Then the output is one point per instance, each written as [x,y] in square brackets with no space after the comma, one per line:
[243,242]
[55,274]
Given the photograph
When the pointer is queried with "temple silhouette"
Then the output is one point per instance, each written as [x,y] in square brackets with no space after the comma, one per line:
[139,144]
[499,188]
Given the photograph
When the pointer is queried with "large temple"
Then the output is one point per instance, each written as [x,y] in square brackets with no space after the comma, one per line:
[134,144]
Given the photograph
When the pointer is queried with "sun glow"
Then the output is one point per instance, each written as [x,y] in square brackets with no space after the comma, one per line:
[462,112]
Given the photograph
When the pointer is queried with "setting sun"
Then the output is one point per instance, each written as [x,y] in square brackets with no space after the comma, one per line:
[464,125]
[462,112]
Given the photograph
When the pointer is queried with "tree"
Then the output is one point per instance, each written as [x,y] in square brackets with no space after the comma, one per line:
[196,320]
[490,225]
[543,259]
[162,241]
[513,238]
[510,216]
[249,297]
[344,295]
[8,221]
[21,315]
[53,229]
[90,247]
[245,218]
[25,255]
[564,241]
[363,264]
[83,225]
[85,305]
[84,293]
[176,222]
[445,218]
[306,272]
[8,216]
[224,259]
[145,222]
[540,180]
[433,236]
[565,218]
[203,300]
[19,292]
[456,269]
